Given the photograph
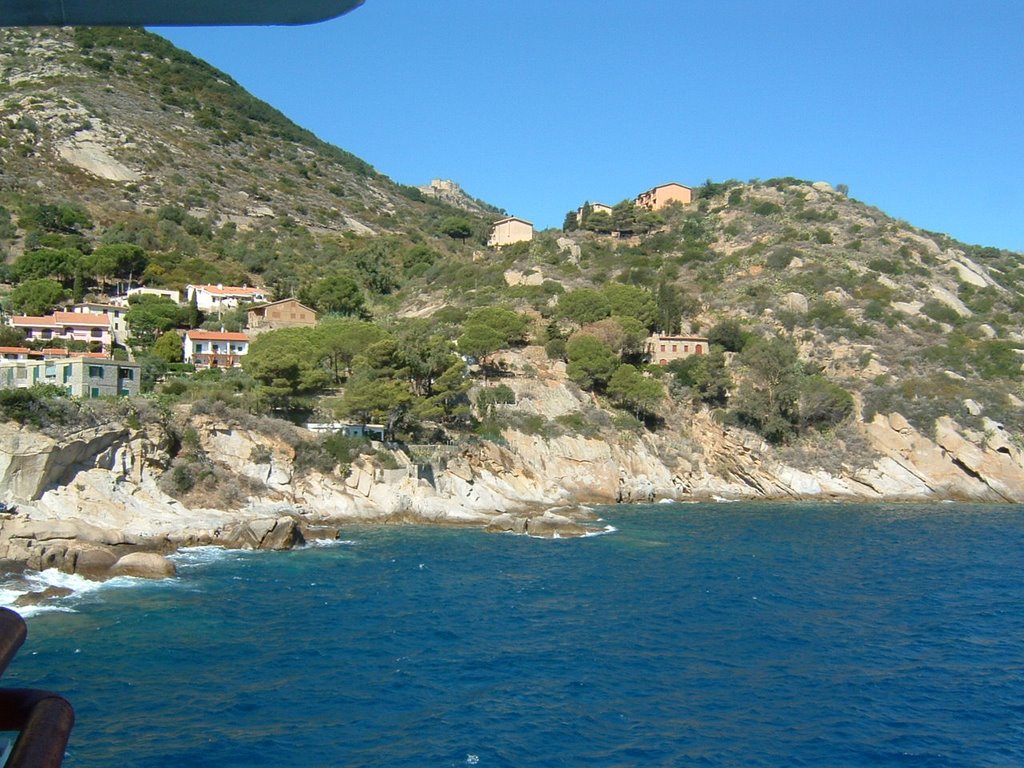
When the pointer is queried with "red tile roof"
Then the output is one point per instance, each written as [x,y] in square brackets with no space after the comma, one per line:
[216,336]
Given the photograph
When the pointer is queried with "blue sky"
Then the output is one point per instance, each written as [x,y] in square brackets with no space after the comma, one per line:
[538,105]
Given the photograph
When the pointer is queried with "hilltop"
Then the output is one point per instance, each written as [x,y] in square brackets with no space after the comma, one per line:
[850,355]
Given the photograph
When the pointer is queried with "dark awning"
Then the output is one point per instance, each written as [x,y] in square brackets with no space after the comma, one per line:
[169,13]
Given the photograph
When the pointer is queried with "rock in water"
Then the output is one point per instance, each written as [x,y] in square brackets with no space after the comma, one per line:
[144,565]
[35,598]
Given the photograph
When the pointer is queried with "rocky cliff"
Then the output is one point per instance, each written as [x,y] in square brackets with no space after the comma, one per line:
[85,500]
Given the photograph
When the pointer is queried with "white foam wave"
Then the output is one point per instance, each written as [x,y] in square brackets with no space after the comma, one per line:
[327,543]
[722,500]
[38,581]
[190,557]
[603,532]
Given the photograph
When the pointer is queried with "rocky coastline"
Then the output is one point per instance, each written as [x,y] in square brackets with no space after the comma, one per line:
[95,502]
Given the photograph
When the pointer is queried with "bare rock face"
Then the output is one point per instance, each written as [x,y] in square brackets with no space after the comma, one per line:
[31,462]
[952,466]
[144,565]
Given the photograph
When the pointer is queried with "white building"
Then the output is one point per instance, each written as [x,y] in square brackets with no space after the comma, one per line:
[221,297]
[214,349]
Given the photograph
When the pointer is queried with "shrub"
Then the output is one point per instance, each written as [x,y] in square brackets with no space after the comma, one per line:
[766,208]
[940,313]
[781,258]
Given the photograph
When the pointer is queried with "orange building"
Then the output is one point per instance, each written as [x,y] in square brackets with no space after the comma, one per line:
[663,194]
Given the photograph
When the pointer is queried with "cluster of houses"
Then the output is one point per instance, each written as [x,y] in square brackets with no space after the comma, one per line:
[512,229]
[100,327]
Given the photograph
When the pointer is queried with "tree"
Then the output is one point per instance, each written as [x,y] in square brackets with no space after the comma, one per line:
[117,261]
[633,390]
[704,376]
[448,401]
[669,309]
[729,335]
[337,294]
[281,361]
[489,329]
[821,403]
[631,301]
[584,305]
[150,316]
[767,399]
[426,355]
[370,397]
[591,362]
[336,341]
[168,347]
[11,337]
[457,227]
[571,222]
[36,297]
[600,222]
[46,262]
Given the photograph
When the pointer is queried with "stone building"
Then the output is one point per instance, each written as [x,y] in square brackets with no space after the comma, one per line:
[78,376]
[286,313]
[664,349]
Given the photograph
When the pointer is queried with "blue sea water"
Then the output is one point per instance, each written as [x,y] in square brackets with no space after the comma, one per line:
[705,635]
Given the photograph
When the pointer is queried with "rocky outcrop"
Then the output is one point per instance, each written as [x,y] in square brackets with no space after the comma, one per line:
[86,502]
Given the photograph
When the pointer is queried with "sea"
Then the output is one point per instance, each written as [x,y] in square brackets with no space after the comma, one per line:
[728,634]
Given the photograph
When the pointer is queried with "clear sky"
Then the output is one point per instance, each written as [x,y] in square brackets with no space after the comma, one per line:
[539,105]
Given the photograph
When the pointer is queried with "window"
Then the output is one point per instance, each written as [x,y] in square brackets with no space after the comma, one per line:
[126,373]
[96,333]
[95,371]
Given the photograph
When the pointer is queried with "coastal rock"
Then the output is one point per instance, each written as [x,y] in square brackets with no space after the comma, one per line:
[93,562]
[553,526]
[144,565]
[35,598]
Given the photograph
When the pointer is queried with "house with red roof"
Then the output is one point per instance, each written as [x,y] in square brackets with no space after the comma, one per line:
[220,297]
[90,327]
[214,349]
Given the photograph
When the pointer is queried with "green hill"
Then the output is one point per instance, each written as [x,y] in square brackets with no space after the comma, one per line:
[115,137]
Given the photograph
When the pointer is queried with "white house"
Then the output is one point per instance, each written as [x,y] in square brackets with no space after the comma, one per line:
[214,349]
[220,297]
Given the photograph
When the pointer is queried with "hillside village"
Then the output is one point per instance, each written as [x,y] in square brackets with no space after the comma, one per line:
[260,332]
[87,347]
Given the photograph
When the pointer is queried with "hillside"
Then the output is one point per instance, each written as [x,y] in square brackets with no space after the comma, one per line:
[852,355]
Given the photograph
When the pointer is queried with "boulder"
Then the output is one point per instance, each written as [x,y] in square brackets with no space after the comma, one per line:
[550,526]
[93,563]
[795,302]
[285,535]
[35,598]
[144,565]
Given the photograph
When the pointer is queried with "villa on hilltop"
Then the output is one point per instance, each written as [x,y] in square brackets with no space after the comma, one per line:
[664,194]
[510,230]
